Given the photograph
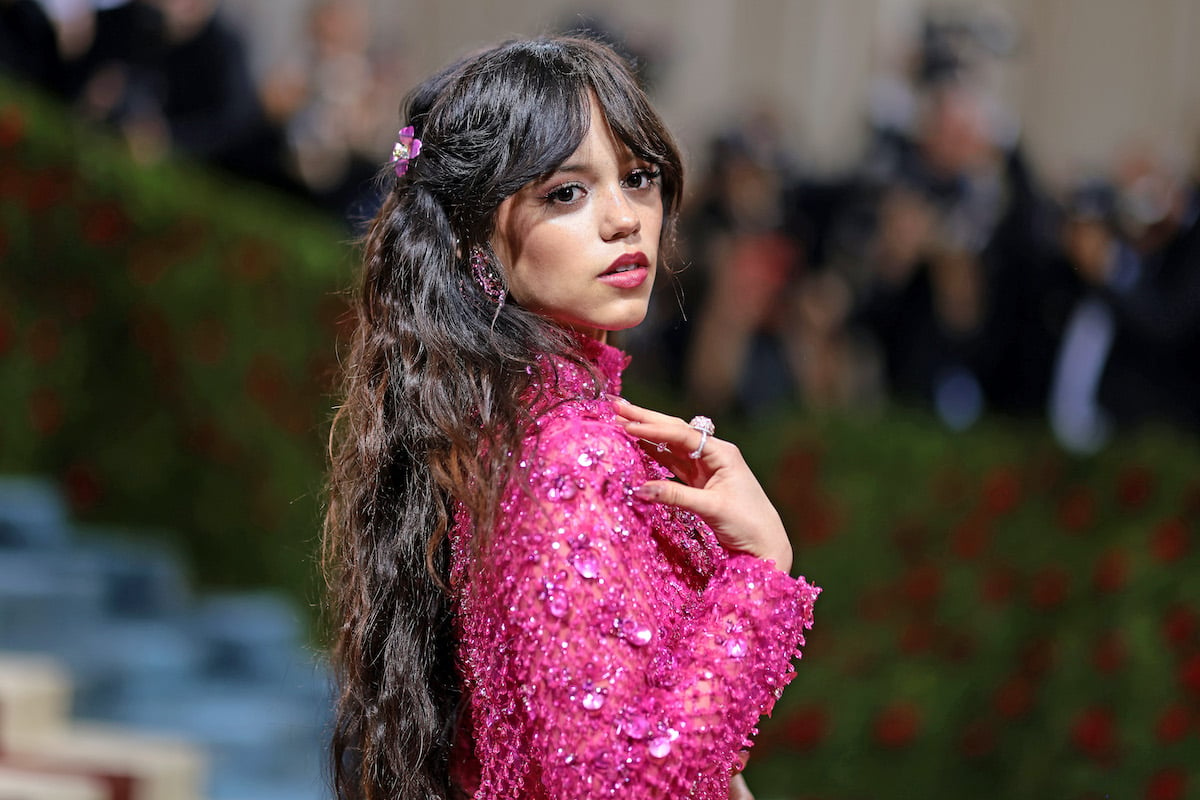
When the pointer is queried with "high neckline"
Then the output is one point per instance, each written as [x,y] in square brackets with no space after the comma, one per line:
[599,374]
[608,360]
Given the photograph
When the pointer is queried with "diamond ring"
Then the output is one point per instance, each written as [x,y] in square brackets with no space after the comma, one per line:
[706,428]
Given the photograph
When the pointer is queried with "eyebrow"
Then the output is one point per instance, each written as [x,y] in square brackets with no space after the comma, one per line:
[572,168]
[578,167]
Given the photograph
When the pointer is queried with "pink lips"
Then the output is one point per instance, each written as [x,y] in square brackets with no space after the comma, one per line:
[627,271]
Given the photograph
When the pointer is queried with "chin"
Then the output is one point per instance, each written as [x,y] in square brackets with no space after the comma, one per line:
[618,320]
[623,322]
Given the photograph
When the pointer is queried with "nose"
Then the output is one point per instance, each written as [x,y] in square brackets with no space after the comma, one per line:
[620,217]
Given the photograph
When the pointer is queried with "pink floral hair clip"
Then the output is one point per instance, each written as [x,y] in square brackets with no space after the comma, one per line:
[407,148]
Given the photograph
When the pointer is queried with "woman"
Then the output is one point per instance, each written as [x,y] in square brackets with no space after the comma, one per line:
[528,607]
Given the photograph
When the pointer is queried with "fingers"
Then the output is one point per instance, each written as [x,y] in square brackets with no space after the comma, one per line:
[672,433]
[698,501]
[634,413]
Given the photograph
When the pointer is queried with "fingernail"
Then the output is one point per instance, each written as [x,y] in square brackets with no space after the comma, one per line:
[613,398]
[646,492]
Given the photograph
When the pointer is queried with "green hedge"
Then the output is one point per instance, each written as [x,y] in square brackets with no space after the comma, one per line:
[166,344]
[1000,620]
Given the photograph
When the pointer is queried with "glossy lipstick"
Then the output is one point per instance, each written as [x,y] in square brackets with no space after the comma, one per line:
[627,271]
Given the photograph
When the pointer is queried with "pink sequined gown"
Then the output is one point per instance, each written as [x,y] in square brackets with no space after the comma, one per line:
[611,647]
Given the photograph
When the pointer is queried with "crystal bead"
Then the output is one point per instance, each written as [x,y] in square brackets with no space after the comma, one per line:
[636,726]
[660,747]
[556,606]
[636,633]
[586,563]
[593,700]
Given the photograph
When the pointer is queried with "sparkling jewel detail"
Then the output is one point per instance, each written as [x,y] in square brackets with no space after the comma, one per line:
[589,621]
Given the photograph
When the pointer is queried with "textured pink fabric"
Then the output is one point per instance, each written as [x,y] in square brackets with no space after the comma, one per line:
[610,647]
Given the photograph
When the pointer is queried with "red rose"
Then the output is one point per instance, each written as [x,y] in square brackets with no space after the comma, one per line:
[922,585]
[82,486]
[806,727]
[798,469]
[1112,570]
[1189,674]
[970,538]
[1169,783]
[1134,487]
[1050,587]
[7,334]
[48,188]
[1038,657]
[818,521]
[897,725]
[1170,541]
[252,261]
[1001,491]
[1180,625]
[1014,698]
[1173,724]
[1076,510]
[266,380]
[12,126]
[1092,732]
[45,411]
[978,739]
[1109,653]
[104,225]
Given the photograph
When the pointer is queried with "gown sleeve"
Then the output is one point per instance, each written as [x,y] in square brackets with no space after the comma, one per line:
[599,671]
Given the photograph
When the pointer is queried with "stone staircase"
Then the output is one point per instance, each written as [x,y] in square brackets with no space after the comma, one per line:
[117,682]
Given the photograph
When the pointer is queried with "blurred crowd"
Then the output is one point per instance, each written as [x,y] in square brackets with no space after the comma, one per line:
[938,272]
[175,76]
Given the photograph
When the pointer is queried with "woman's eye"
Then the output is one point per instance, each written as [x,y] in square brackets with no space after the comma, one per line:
[565,194]
[642,178]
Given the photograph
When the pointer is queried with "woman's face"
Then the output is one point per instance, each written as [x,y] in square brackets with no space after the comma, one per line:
[581,245]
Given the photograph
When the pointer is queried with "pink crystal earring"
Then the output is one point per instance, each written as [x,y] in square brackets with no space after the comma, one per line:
[487,275]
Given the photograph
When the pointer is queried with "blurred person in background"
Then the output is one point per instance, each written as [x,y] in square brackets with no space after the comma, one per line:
[29,47]
[171,76]
[1150,285]
[329,96]
[743,271]
[943,244]
[1091,249]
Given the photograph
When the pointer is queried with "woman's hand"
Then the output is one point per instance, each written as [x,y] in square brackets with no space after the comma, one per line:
[718,486]
[738,790]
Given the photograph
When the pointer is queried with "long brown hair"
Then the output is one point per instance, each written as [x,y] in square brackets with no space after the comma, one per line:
[434,385]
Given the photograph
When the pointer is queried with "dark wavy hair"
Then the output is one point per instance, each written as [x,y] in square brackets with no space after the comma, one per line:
[435,388]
